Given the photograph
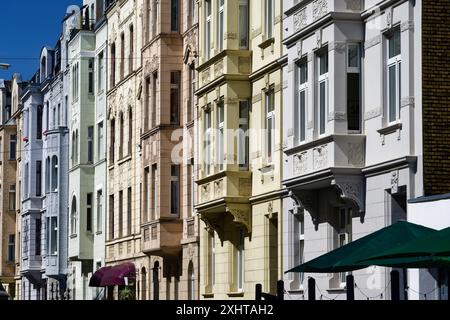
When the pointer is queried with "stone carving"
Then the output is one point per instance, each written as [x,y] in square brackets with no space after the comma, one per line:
[241,217]
[356,154]
[205,192]
[320,157]
[337,115]
[300,20]
[353,4]
[300,163]
[218,69]
[388,19]
[318,39]
[351,189]
[394,181]
[299,48]
[320,8]
[305,201]
[205,76]
[218,189]
[151,65]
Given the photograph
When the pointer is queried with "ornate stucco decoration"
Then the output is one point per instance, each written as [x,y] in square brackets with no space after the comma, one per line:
[320,8]
[353,4]
[320,157]
[130,98]
[241,215]
[356,154]
[300,20]
[394,181]
[300,163]
[352,189]
[151,65]
[337,115]
[305,201]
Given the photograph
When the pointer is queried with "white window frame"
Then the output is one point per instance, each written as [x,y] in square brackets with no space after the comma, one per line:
[208,142]
[270,132]
[244,145]
[208,28]
[357,69]
[221,134]
[302,88]
[322,79]
[270,19]
[396,63]
[175,179]
[240,263]
[221,24]
[243,34]
[344,233]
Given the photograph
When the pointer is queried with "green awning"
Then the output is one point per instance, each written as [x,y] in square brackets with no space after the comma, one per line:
[349,257]
[430,251]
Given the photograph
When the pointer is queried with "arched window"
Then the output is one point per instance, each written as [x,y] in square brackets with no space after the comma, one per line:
[156,281]
[144,284]
[73,216]
[55,173]
[121,129]
[39,122]
[130,131]
[43,68]
[191,281]
[47,175]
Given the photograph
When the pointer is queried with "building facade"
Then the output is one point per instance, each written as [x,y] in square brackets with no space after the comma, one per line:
[124,70]
[357,147]
[87,173]
[168,225]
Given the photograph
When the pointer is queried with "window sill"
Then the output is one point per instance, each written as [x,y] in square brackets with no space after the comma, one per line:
[208,295]
[236,294]
[266,43]
[99,233]
[391,128]
[73,236]
[123,160]
[336,290]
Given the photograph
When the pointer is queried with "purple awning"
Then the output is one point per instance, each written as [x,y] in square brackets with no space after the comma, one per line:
[115,276]
[96,278]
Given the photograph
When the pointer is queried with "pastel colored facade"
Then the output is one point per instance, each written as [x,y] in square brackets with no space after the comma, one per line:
[353,130]
[239,179]
[124,70]
[87,173]
[169,228]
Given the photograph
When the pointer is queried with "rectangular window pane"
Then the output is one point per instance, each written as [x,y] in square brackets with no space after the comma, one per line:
[89,212]
[243,135]
[38,178]
[302,116]
[323,63]
[99,211]
[392,94]
[129,207]
[353,101]
[54,236]
[174,15]
[175,189]
[175,97]
[353,56]
[37,237]
[90,154]
[322,110]
[243,24]
[394,44]
[303,73]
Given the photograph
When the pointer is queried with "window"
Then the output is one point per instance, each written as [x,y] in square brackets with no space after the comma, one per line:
[112,141]
[192,86]
[37,237]
[208,140]
[130,131]
[54,174]
[131,56]
[54,236]
[270,125]
[353,88]
[75,84]
[12,146]
[213,258]
[191,281]
[73,217]
[344,225]
[323,91]
[91,75]
[58,116]
[111,217]
[148,21]
[147,106]
[101,71]
[144,284]
[54,118]
[12,197]
[393,77]
[74,143]
[243,146]
[191,18]
[39,123]
[300,106]
[113,65]
[99,211]
[121,134]
[190,187]
[100,143]
[175,81]
[66,103]
[208,29]
[12,248]
[147,193]
[38,178]
[129,208]
[175,189]
[120,214]
[155,18]
[299,245]
[270,18]
[90,151]
[26,185]
[243,24]
[239,266]
[89,212]
[47,175]
[221,134]
[154,88]
[174,16]
[221,21]
[122,56]
[47,116]
[154,193]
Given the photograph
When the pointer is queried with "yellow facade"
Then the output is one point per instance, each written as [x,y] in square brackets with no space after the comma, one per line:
[239,180]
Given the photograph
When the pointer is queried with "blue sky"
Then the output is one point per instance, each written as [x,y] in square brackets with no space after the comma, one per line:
[25,27]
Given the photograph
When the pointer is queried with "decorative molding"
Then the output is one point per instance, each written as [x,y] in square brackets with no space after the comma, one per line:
[389,18]
[310,56]
[353,4]
[408,25]
[291,67]
[256,33]
[407,102]
[151,65]
[318,39]
[394,181]
[356,154]
[373,113]
[337,115]
[299,46]
[338,46]
[372,42]
[218,69]
[277,88]
[305,200]
[352,189]
[320,157]
[300,20]
[319,9]
[300,163]
[257,98]
[241,215]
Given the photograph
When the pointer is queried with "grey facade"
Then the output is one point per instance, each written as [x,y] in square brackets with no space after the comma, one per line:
[352,130]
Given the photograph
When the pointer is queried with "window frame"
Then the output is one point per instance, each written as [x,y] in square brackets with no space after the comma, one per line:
[270,117]
[393,62]
[323,78]
[299,114]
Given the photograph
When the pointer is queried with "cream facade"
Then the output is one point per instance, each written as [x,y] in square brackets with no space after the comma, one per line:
[123,239]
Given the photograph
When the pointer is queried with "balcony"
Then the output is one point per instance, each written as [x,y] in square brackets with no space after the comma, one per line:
[224,197]
[162,237]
